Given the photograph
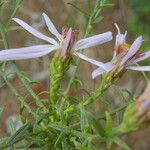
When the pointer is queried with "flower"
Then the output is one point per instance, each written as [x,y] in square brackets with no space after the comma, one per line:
[125,56]
[65,42]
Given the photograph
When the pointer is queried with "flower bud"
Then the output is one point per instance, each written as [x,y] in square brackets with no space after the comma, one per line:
[137,114]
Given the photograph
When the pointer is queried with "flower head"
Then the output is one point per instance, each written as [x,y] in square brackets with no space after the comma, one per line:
[125,55]
[66,43]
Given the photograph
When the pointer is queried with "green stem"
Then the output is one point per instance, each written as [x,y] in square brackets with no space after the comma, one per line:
[107,81]
[16,93]
[88,31]
[28,86]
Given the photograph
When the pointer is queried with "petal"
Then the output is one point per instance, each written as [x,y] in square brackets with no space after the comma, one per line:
[93,41]
[51,27]
[144,56]
[120,39]
[97,72]
[133,49]
[117,27]
[66,41]
[97,63]
[35,32]
[26,52]
[139,68]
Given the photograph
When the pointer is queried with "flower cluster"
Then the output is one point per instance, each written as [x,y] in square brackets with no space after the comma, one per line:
[66,43]
[125,56]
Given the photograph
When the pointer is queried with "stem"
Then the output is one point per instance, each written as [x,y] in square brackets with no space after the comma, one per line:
[88,31]
[16,93]
[107,81]
[28,87]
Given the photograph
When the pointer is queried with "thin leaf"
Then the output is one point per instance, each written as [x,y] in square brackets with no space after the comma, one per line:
[1,110]
[17,136]
[4,36]
[121,143]
[59,139]
[84,120]
[78,8]
[96,124]
[108,123]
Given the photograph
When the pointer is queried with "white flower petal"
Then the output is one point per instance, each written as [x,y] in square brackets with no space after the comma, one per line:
[51,27]
[133,49]
[97,63]
[66,41]
[117,27]
[97,72]
[105,66]
[139,68]
[35,32]
[26,52]
[120,39]
[93,41]
[145,56]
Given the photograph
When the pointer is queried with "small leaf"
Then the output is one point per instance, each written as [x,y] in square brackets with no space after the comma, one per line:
[1,110]
[84,120]
[59,139]
[121,143]
[4,36]
[96,124]
[108,123]
[78,8]
[17,136]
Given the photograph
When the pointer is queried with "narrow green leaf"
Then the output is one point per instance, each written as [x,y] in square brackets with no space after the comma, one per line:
[4,36]
[96,124]
[61,128]
[78,8]
[64,145]
[121,143]
[17,6]
[108,123]
[1,110]
[59,139]
[84,120]
[17,136]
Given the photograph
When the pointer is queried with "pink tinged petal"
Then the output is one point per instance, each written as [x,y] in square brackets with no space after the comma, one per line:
[133,49]
[35,32]
[97,72]
[51,27]
[93,41]
[143,57]
[100,70]
[97,63]
[26,52]
[66,42]
[139,68]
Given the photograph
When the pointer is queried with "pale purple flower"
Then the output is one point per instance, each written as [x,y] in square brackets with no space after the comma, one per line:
[67,41]
[125,56]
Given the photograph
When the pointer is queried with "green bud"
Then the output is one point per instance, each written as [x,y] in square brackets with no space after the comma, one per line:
[136,116]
